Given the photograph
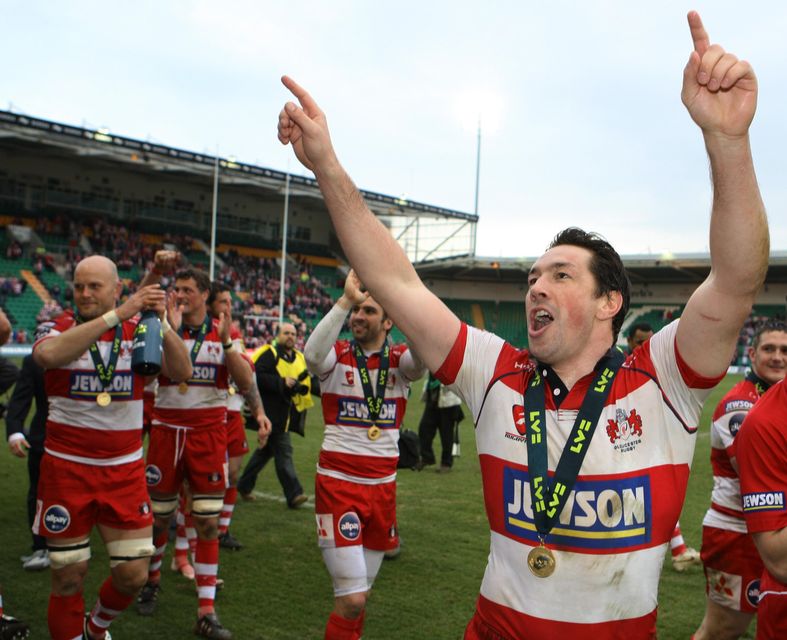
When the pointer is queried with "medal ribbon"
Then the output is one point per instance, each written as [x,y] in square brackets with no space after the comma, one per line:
[548,501]
[106,371]
[203,331]
[374,401]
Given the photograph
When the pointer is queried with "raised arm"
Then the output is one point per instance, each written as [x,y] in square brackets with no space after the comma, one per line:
[382,265]
[720,93]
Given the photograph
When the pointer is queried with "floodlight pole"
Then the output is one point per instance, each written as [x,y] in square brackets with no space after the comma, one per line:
[284,246]
[477,181]
[214,215]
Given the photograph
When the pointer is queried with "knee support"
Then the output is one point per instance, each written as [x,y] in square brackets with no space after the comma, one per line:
[164,507]
[62,556]
[126,550]
[347,566]
[206,506]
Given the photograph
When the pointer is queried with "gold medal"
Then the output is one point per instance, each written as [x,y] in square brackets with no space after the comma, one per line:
[183,387]
[103,399]
[231,391]
[541,561]
[374,432]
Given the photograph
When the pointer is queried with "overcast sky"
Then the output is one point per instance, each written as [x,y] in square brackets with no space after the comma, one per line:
[582,122]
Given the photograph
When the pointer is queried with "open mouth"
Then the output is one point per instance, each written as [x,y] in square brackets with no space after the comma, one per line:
[540,320]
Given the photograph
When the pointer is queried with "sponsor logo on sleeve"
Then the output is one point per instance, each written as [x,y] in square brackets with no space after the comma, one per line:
[763,501]
[349,526]
[598,514]
[56,519]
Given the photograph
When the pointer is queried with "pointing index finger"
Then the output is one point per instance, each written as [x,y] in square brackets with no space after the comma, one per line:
[698,34]
[307,102]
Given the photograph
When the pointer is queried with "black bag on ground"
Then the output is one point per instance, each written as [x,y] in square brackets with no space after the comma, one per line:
[409,450]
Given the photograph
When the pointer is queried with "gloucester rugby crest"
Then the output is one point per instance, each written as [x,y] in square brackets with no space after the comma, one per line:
[625,431]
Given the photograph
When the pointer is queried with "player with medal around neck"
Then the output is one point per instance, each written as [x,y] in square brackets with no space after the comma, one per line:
[96,291]
[369,324]
[191,312]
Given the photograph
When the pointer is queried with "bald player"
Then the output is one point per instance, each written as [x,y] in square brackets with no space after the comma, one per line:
[92,472]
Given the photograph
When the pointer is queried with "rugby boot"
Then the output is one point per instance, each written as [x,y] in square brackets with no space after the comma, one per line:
[228,541]
[183,567]
[686,559]
[86,635]
[38,561]
[13,629]
[208,626]
[147,598]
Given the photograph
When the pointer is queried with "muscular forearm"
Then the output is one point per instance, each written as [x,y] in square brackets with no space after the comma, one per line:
[69,345]
[379,261]
[738,218]
[176,363]
[254,400]
[239,370]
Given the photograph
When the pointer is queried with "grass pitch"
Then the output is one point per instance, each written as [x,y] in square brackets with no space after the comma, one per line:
[278,589]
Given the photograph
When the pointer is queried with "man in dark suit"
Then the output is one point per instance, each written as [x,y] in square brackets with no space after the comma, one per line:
[29,386]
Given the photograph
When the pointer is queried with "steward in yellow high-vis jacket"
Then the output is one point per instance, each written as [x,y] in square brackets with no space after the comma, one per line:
[285,388]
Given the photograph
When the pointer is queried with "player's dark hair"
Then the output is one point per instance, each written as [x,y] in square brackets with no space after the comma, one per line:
[605,265]
[766,326]
[216,288]
[198,275]
[640,326]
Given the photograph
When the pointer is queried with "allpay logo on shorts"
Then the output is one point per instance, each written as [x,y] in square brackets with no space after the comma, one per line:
[152,475]
[56,519]
[349,526]
[598,514]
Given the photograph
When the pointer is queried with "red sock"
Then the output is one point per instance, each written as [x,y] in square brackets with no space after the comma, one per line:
[110,604]
[676,543]
[160,542]
[339,628]
[230,498]
[206,566]
[65,616]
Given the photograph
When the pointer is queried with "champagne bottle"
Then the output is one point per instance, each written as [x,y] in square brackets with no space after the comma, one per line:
[148,345]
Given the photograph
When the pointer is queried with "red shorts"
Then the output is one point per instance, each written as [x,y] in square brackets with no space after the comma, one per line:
[148,400]
[772,614]
[199,455]
[349,514]
[732,569]
[74,497]
[236,435]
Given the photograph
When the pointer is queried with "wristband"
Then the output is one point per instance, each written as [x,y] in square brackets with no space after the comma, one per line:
[165,326]
[111,318]
[229,346]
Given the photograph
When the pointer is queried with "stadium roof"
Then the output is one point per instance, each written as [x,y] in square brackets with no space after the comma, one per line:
[66,140]
[688,268]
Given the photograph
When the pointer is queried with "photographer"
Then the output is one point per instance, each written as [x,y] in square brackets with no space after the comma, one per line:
[285,388]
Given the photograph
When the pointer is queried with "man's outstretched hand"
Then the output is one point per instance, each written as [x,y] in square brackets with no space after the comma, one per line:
[305,128]
[719,91]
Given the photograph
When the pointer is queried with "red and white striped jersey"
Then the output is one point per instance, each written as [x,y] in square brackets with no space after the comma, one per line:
[611,536]
[725,511]
[347,451]
[77,428]
[201,402]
